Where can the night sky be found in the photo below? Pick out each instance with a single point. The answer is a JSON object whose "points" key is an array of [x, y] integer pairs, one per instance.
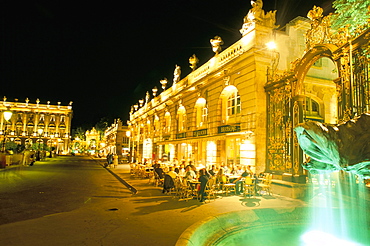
{"points": [[105, 55]]}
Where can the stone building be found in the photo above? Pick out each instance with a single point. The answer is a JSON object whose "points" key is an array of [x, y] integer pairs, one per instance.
{"points": [[116, 140], [241, 106], [30, 123]]}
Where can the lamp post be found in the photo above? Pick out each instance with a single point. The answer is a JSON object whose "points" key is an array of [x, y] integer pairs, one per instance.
{"points": [[7, 116], [128, 134], [275, 57], [41, 147]]}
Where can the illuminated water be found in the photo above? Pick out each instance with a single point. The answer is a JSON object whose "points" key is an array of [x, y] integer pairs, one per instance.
{"points": [[338, 209], [337, 215]]}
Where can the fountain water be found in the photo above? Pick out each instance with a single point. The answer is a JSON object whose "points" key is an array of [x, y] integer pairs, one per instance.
{"points": [[339, 159], [337, 215]]}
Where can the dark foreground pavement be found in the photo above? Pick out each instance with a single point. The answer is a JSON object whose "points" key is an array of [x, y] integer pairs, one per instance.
{"points": [[145, 218]]}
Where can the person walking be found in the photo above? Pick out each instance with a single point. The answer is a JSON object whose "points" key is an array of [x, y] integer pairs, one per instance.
{"points": [[203, 179]]}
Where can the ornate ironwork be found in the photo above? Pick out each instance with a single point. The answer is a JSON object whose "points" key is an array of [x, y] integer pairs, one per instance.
{"points": [[285, 93]]}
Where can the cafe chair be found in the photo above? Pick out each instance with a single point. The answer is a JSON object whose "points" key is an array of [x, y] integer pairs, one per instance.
{"points": [[158, 180], [265, 185], [152, 179], [228, 188], [132, 169], [178, 187], [187, 191], [148, 171], [210, 189], [168, 185], [248, 187]]}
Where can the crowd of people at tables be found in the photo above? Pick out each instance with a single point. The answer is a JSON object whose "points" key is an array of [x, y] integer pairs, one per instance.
{"points": [[190, 173]]}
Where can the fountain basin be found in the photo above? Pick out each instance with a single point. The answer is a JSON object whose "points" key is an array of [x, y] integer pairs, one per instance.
{"points": [[268, 226]]}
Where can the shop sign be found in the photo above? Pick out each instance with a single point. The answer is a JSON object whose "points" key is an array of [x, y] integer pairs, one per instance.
{"points": [[181, 135], [229, 128], [198, 133], [167, 137]]}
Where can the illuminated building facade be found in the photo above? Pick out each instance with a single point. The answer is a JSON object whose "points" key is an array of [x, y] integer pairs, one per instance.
{"points": [[93, 141], [30, 123], [116, 140], [241, 106]]}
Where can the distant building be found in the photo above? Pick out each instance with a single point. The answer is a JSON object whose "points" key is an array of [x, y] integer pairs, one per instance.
{"points": [[30, 123], [93, 141], [116, 140]]}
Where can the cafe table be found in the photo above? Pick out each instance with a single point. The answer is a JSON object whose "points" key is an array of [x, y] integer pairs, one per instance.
{"points": [[194, 184]]}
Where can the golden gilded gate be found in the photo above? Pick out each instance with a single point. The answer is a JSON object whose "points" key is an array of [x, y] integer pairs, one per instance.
{"points": [[294, 97]]}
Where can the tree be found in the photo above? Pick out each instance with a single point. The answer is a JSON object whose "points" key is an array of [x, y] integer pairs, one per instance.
{"points": [[14, 147], [101, 126], [351, 13], [80, 133]]}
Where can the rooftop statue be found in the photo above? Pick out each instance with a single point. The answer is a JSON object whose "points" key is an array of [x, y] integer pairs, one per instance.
{"points": [[257, 15], [193, 62], [344, 146], [176, 74]]}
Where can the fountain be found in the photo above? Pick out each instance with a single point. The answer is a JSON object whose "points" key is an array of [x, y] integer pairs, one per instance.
{"points": [[339, 161], [339, 158]]}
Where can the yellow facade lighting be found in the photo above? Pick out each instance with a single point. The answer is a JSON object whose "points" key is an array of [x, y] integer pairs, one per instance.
{"points": [[7, 115], [271, 45]]}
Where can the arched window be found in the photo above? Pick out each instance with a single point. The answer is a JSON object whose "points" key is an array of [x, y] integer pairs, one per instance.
{"points": [[312, 107], [230, 105], [147, 128], [156, 126], [233, 104], [312, 110], [167, 122], [181, 119], [201, 111]]}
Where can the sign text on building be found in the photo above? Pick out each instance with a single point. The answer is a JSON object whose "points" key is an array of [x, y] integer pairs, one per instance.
{"points": [[229, 128], [181, 135], [198, 133]]}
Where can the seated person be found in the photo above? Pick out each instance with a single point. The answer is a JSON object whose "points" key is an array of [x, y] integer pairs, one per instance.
{"points": [[159, 171], [182, 171], [213, 170], [168, 183], [239, 182], [190, 174], [172, 173], [221, 177], [239, 170]]}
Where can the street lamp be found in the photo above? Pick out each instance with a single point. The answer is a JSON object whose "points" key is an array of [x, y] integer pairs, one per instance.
{"points": [[128, 134], [7, 116], [275, 57], [40, 131], [40, 143]]}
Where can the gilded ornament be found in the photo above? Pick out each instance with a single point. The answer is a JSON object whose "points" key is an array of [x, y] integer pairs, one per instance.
{"points": [[216, 43], [257, 15]]}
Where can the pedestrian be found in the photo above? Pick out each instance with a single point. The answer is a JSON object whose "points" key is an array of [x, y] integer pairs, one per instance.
{"points": [[203, 179], [32, 159], [115, 161], [109, 159]]}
